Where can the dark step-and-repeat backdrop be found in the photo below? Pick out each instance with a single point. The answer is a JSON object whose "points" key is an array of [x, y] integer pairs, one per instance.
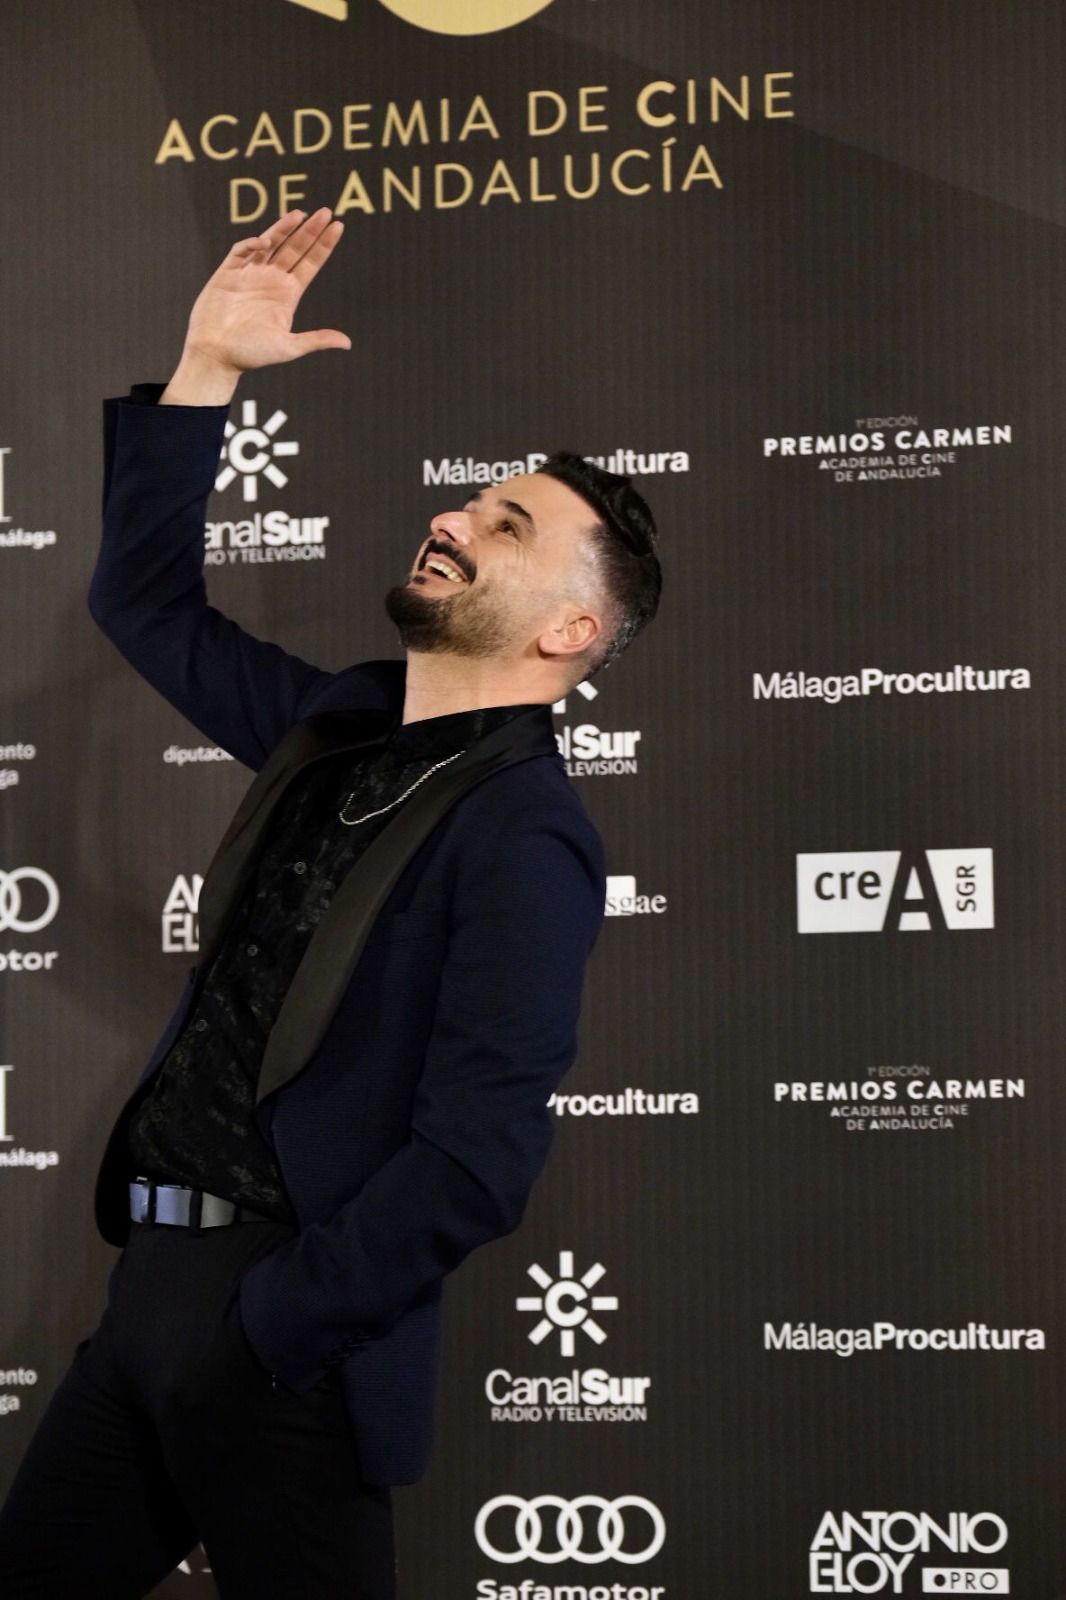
{"points": [[785, 1316]]}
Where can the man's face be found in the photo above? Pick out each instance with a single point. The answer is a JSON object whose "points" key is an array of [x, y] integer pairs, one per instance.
{"points": [[503, 576]]}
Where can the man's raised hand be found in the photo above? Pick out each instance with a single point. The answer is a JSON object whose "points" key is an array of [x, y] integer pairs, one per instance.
{"points": [[242, 318]]}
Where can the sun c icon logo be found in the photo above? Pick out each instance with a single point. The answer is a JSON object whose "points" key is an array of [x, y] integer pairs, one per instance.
{"points": [[465, 16], [570, 1531], [11, 903]]}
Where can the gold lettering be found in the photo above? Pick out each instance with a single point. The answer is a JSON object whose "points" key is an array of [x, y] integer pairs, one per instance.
{"points": [[616, 172], [352, 127], [701, 166], [586, 109], [439, 200], [772, 94], [404, 131], [661, 119], [299, 143], [534, 181], [205, 139], [500, 182], [354, 196], [413, 196], [174, 144], [264, 135], [257, 188], [594, 177], [533, 99], [478, 120], [719, 91]]}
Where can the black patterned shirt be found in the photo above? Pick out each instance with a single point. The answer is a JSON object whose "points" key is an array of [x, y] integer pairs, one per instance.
{"points": [[196, 1124]]}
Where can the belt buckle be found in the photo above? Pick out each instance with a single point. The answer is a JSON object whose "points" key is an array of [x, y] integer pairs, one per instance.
{"points": [[196, 1209], [145, 1197]]}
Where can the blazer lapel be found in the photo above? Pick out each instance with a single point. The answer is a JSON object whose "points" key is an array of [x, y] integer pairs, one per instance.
{"points": [[337, 943], [305, 741]]}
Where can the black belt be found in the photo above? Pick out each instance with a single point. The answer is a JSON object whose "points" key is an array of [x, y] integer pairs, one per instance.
{"points": [[186, 1208]]}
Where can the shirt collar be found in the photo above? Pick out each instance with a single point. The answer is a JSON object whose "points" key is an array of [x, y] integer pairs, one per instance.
{"points": [[451, 731]]}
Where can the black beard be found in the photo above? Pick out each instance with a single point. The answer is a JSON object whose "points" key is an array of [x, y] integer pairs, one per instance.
{"points": [[421, 618], [428, 622]]}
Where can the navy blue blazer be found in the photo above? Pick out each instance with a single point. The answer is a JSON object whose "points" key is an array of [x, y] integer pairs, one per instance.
{"points": [[406, 1081]]}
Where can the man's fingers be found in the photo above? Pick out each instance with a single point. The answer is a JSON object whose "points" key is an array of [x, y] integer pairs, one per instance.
{"points": [[299, 240], [312, 259], [302, 344], [254, 252]]}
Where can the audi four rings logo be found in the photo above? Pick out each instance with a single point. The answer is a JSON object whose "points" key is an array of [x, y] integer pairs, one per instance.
{"points": [[571, 1533], [12, 903]]}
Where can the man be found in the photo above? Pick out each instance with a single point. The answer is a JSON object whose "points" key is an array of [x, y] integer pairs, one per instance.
{"points": [[351, 1094]]}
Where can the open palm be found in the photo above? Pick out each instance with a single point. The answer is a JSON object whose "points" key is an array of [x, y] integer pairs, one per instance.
{"points": [[243, 316]]}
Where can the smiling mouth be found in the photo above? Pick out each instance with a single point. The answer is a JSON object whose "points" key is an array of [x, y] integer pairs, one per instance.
{"points": [[440, 566]]}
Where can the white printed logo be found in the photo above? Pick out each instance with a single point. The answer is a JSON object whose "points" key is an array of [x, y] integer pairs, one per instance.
{"points": [[624, 901], [12, 905], [589, 750], [19, 1157], [181, 924], [251, 450], [867, 1552], [566, 1304], [604, 1540], [871, 891]]}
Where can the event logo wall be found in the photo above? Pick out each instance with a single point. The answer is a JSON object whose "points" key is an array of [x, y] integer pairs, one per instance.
{"points": [[443, 16], [565, 1303], [34, 538], [591, 752], [869, 891], [181, 923], [29, 899], [875, 1552], [12, 1155], [628, 1529], [250, 452], [591, 1395]]}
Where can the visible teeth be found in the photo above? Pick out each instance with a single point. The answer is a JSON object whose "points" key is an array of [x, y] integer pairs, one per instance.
{"points": [[445, 572]]}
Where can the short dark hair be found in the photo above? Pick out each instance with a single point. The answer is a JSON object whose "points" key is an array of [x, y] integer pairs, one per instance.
{"points": [[621, 546]]}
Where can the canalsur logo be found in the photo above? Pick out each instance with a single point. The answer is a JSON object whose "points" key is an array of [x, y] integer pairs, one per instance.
{"points": [[590, 751], [589, 1394], [442, 16], [181, 923], [874, 891], [251, 452]]}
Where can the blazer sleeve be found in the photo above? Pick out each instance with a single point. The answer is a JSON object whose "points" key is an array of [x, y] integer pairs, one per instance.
{"points": [[147, 590], [529, 909]]}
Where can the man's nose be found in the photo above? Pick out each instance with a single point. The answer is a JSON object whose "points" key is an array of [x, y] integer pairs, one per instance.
{"points": [[454, 525]]}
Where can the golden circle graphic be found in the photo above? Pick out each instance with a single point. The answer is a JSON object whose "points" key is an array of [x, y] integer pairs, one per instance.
{"points": [[465, 16]]}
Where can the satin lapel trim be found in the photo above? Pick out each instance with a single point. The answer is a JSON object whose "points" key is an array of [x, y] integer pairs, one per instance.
{"points": [[305, 742], [330, 959]]}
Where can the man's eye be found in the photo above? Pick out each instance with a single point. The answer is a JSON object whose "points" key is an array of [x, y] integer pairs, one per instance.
{"points": [[509, 526]]}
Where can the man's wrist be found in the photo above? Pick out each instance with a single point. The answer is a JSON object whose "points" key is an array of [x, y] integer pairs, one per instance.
{"points": [[200, 381]]}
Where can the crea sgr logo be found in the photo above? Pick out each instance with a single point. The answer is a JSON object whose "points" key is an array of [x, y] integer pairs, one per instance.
{"points": [[442, 16], [877, 891]]}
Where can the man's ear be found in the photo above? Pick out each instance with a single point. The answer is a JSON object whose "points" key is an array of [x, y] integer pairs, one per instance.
{"points": [[572, 635]]}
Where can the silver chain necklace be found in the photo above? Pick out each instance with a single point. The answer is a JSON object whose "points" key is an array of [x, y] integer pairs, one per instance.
{"points": [[350, 822]]}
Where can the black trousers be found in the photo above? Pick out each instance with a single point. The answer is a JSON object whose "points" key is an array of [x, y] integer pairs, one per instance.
{"points": [[165, 1430]]}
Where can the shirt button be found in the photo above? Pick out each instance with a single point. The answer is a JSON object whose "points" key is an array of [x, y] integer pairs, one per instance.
{"points": [[253, 949], [201, 1026], [299, 866]]}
